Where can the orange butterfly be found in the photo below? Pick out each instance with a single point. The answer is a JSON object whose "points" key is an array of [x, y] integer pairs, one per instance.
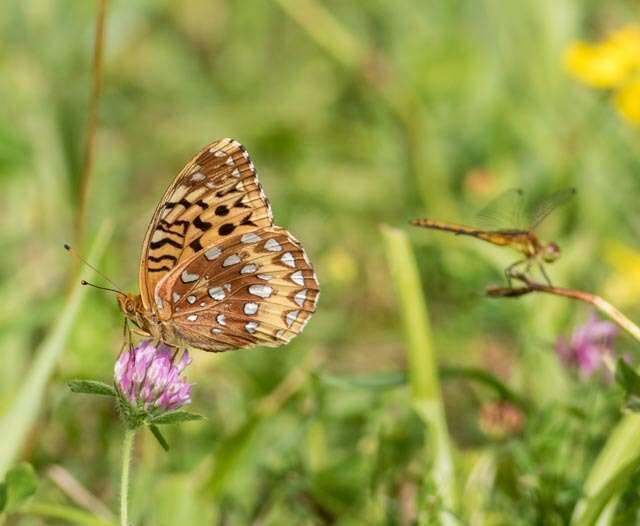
{"points": [[215, 273]]}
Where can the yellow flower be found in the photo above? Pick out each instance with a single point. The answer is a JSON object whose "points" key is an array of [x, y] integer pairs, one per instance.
{"points": [[623, 287], [606, 64], [594, 66], [612, 64], [627, 101]]}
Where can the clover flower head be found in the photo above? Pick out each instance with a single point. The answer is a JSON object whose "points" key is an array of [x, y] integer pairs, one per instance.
{"points": [[588, 345], [501, 419], [149, 377]]}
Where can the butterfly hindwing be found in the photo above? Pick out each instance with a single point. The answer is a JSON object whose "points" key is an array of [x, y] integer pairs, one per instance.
{"points": [[256, 288], [215, 196]]}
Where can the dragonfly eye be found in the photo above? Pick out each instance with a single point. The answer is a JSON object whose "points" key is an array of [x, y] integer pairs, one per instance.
{"points": [[551, 253]]}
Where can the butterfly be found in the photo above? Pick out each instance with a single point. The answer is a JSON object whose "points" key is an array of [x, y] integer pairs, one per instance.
{"points": [[215, 272]]}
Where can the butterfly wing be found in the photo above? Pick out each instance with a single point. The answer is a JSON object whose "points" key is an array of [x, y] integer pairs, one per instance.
{"points": [[216, 195], [257, 288]]}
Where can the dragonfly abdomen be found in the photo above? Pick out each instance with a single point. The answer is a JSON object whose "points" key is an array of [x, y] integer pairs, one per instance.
{"points": [[515, 238], [446, 227]]}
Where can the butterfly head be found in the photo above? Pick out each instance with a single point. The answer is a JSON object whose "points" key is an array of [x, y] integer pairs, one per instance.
{"points": [[130, 305]]}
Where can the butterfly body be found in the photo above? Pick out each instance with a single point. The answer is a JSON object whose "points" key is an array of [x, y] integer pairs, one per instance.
{"points": [[145, 320], [215, 273]]}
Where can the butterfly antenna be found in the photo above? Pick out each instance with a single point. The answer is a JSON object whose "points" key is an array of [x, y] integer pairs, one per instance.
{"points": [[85, 282], [75, 254]]}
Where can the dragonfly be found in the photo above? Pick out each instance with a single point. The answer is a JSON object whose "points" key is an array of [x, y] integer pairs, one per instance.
{"points": [[521, 236]]}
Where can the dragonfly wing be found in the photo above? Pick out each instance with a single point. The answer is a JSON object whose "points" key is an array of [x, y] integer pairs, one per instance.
{"points": [[505, 212], [546, 207]]}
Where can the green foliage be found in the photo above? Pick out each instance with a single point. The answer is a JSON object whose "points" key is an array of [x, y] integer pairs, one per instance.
{"points": [[20, 483], [91, 387], [629, 380], [356, 114], [175, 417], [159, 437]]}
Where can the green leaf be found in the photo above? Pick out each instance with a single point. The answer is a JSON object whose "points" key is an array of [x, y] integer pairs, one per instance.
{"points": [[3, 496], [91, 387], [627, 378], [480, 376], [374, 382], [611, 471], [20, 484], [161, 440], [175, 417]]}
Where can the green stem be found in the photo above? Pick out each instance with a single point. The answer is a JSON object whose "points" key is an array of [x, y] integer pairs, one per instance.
{"points": [[127, 447], [422, 367]]}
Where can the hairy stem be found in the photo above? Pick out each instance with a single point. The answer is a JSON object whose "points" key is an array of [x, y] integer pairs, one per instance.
{"points": [[127, 447]]}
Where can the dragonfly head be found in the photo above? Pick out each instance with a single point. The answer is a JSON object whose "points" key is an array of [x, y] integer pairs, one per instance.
{"points": [[551, 252]]}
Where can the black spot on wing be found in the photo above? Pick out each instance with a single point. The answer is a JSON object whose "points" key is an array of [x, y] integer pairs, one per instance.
{"points": [[195, 245], [247, 221], [201, 225], [226, 229], [240, 204]]}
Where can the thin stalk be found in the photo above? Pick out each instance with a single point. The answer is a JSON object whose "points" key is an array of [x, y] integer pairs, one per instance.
{"points": [[592, 299], [92, 120], [127, 448]]}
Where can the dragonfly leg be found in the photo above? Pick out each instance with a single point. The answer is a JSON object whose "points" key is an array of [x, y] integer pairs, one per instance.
{"points": [[508, 272], [544, 273]]}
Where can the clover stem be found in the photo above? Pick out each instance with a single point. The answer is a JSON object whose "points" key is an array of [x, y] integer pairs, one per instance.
{"points": [[127, 447]]}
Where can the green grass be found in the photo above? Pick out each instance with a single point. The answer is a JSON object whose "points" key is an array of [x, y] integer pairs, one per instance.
{"points": [[356, 114]]}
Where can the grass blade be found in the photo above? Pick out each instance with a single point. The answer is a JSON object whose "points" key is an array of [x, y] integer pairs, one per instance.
{"points": [[611, 472], [67, 514], [23, 411], [423, 378]]}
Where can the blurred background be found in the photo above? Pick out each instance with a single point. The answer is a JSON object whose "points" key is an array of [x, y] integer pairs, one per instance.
{"points": [[356, 115]]}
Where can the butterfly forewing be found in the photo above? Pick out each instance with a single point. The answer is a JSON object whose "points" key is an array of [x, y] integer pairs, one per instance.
{"points": [[256, 288], [216, 195]]}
